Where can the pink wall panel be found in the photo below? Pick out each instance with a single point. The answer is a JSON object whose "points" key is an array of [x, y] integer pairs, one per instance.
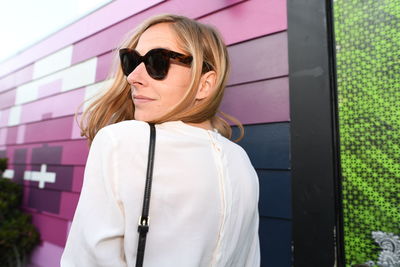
{"points": [[258, 102], [74, 152], [52, 229], [4, 116], [77, 178], [12, 135], [7, 99], [49, 130], [50, 88], [237, 25], [52, 107], [16, 78], [69, 201], [104, 63]]}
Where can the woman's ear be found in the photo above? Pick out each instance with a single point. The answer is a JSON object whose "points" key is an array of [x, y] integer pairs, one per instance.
{"points": [[206, 85]]}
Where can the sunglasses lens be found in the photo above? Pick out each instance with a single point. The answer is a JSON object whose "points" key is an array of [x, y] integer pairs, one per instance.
{"points": [[129, 61], [157, 65]]}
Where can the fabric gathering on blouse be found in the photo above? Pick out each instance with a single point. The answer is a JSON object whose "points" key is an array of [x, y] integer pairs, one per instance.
{"points": [[203, 205]]}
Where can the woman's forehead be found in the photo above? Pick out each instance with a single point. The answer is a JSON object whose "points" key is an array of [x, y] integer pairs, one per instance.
{"points": [[160, 35]]}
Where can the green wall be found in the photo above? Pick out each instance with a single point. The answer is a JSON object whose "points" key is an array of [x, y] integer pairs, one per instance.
{"points": [[367, 40]]}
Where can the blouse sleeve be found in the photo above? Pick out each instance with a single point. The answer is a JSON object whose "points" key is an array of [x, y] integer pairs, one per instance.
{"points": [[97, 230]]}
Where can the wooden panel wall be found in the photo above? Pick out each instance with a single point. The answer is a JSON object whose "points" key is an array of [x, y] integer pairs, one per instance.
{"points": [[41, 88]]}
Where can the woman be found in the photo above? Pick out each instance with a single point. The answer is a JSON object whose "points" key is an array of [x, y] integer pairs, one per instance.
{"points": [[205, 191]]}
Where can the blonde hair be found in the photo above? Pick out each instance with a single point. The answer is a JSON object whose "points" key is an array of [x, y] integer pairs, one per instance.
{"points": [[204, 44]]}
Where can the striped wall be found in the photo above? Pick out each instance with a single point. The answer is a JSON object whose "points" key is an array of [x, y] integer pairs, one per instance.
{"points": [[41, 88]]}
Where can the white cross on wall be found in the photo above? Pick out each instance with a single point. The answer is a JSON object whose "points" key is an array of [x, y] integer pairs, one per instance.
{"points": [[42, 177]]}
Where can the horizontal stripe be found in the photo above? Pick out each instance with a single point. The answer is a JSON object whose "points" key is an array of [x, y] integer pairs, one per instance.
{"points": [[52, 63], [52, 229], [267, 145], [92, 23], [275, 194], [275, 242], [46, 254], [49, 130], [52, 107], [259, 102], [249, 20], [259, 59], [17, 77], [7, 99]]}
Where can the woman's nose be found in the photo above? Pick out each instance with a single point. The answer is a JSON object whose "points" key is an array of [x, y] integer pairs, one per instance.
{"points": [[137, 75]]}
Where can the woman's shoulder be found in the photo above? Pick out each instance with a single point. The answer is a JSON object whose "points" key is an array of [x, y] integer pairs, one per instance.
{"points": [[127, 130]]}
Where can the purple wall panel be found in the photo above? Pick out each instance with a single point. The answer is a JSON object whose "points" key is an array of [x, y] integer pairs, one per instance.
{"points": [[258, 59], [52, 107], [52, 229], [7, 99], [4, 117], [77, 178], [259, 102], [249, 20], [50, 88], [103, 67], [69, 201], [74, 152], [12, 135], [102, 18], [108, 39], [16, 78], [44, 200], [49, 130]]}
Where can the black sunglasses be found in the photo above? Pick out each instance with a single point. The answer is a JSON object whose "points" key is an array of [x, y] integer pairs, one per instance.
{"points": [[156, 61]]}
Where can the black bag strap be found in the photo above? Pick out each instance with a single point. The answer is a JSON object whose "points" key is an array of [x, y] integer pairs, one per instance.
{"points": [[144, 220]]}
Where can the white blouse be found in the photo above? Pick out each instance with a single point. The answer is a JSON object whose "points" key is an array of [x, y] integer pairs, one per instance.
{"points": [[203, 206]]}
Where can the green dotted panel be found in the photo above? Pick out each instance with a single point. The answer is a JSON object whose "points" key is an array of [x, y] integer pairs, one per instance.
{"points": [[367, 35]]}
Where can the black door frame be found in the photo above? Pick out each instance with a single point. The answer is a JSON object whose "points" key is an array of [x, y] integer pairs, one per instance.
{"points": [[315, 159]]}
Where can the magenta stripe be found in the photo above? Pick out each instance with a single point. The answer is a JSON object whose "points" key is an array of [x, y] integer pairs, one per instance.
{"points": [[103, 66], [68, 205], [96, 21], [16, 78], [249, 20], [108, 39], [77, 179], [52, 229], [259, 59], [259, 102], [49, 130], [53, 107], [74, 152], [50, 88], [7, 99], [12, 135]]}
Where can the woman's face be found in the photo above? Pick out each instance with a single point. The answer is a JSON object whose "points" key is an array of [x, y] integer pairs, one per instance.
{"points": [[155, 98]]}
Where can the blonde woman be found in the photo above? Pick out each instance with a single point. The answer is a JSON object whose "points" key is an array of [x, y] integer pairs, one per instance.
{"points": [[204, 195]]}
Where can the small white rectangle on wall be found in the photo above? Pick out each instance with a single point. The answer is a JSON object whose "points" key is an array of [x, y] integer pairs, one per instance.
{"points": [[79, 75], [96, 89], [52, 63], [15, 116]]}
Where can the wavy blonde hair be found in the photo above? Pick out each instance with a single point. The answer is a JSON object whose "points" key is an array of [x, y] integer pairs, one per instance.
{"points": [[201, 41]]}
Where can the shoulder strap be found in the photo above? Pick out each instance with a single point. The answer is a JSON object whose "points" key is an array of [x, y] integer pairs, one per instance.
{"points": [[144, 220]]}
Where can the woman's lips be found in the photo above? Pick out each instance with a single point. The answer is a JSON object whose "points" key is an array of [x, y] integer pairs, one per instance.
{"points": [[142, 99]]}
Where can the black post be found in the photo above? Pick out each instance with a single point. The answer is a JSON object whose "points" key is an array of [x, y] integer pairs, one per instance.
{"points": [[314, 138]]}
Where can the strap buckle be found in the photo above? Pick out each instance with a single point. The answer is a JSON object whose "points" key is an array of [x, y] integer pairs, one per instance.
{"points": [[143, 224]]}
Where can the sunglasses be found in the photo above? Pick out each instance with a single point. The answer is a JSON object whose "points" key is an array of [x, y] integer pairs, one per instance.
{"points": [[156, 61]]}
